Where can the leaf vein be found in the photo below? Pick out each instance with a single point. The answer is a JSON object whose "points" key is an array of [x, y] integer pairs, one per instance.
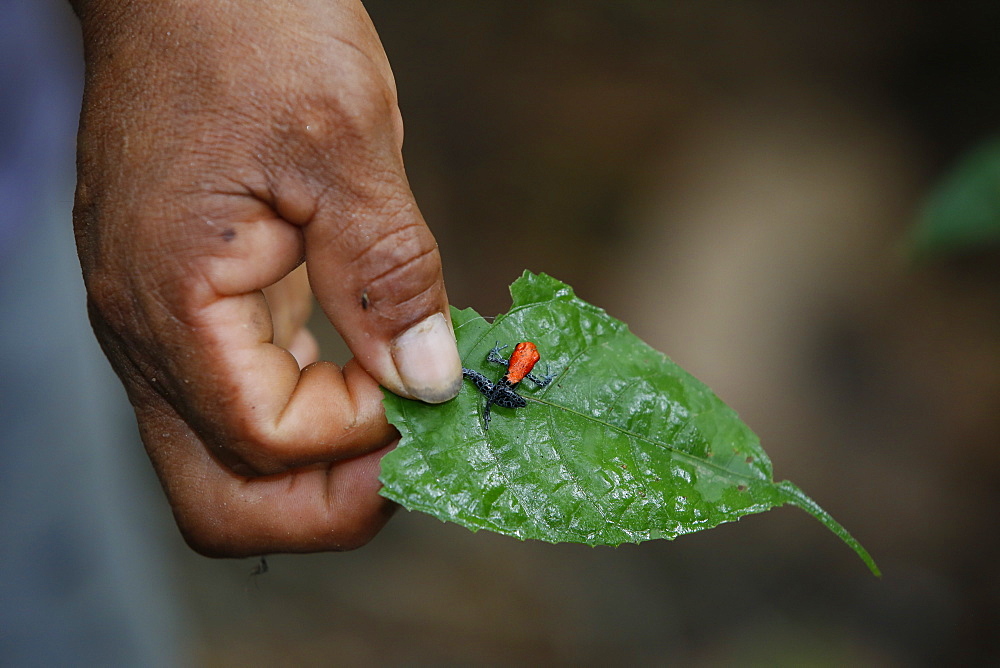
{"points": [[680, 453]]}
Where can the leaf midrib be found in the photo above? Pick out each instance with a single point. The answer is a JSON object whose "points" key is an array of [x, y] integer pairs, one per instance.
{"points": [[680, 453], [705, 464]]}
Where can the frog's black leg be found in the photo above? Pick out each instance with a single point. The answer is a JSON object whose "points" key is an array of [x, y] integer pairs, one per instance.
{"points": [[482, 383], [503, 394], [544, 380], [500, 393], [492, 396], [510, 399], [494, 355]]}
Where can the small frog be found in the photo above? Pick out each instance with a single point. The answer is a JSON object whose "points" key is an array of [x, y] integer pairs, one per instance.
{"points": [[519, 366]]}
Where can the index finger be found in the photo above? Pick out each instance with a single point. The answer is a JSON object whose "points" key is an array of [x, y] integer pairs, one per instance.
{"points": [[244, 394]]}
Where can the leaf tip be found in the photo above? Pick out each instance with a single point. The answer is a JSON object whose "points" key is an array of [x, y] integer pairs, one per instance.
{"points": [[798, 498]]}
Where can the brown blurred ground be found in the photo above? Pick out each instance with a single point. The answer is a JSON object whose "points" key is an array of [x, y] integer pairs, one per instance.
{"points": [[735, 181]]}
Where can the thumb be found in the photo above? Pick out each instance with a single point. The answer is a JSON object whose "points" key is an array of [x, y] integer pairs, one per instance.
{"points": [[376, 271]]}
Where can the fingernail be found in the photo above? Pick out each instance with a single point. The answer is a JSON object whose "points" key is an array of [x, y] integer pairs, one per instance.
{"points": [[427, 360]]}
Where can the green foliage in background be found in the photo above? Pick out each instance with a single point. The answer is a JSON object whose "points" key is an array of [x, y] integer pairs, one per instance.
{"points": [[962, 213], [623, 446]]}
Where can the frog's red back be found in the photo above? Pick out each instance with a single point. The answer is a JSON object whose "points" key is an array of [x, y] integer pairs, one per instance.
{"points": [[522, 361]]}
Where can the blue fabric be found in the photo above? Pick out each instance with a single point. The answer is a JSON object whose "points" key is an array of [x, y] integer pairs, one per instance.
{"points": [[83, 575], [41, 74]]}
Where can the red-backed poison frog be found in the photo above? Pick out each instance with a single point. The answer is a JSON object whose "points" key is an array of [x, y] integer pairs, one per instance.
{"points": [[519, 366]]}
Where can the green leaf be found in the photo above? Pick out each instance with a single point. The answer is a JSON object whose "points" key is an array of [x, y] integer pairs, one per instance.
{"points": [[962, 213], [623, 446]]}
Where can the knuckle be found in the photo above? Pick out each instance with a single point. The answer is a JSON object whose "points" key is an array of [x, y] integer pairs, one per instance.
{"points": [[401, 272], [261, 446], [209, 537], [231, 530], [208, 531], [212, 537], [364, 108], [347, 533], [348, 113], [352, 540], [364, 101], [206, 541], [394, 249]]}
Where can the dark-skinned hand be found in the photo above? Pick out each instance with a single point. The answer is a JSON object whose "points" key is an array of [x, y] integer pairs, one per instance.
{"points": [[221, 145]]}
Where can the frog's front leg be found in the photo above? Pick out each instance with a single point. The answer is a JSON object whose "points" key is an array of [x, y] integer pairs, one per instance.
{"points": [[544, 380], [494, 355]]}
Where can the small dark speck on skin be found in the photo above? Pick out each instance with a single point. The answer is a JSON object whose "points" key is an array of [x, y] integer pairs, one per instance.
{"points": [[365, 302], [228, 234]]}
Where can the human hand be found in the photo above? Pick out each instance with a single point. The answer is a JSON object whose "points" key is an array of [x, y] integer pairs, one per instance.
{"points": [[220, 144]]}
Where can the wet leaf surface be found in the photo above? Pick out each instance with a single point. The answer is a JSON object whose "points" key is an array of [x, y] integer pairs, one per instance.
{"points": [[623, 446]]}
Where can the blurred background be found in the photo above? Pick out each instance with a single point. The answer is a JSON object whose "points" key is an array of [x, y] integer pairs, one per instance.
{"points": [[738, 182]]}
